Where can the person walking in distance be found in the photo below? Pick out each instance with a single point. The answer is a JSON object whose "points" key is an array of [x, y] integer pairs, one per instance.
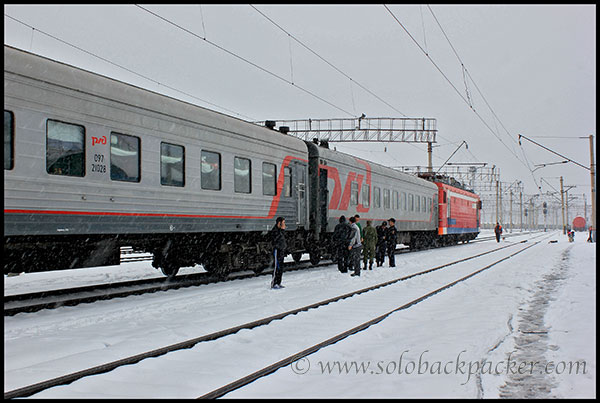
{"points": [[355, 246], [498, 231], [381, 243], [391, 236], [279, 247], [369, 242]]}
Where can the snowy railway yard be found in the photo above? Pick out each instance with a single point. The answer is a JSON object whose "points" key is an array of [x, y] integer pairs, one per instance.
{"points": [[522, 327]]}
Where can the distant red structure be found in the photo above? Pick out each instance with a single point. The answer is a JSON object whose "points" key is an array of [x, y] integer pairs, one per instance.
{"points": [[579, 224]]}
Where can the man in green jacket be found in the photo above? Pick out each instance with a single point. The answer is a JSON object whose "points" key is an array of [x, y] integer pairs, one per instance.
{"points": [[369, 242]]}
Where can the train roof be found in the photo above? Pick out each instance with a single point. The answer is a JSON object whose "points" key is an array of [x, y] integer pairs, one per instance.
{"points": [[351, 161], [43, 69]]}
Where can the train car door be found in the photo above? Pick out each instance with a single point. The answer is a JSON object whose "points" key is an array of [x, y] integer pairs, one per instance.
{"points": [[299, 175]]}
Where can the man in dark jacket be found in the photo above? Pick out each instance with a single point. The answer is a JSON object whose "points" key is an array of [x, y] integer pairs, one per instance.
{"points": [[381, 244], [498, 231], [341, 235], [279, 247], [391, 236]]}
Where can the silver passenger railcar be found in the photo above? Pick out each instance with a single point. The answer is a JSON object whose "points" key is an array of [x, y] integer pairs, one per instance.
{"points": [[91, 164]]}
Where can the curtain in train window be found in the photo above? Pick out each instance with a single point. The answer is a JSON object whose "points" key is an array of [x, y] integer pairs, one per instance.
{"points": [[242, 179], [366, 195], [211, 170], [172, 165], [354, 193], [124, 157], [269, 179], [9, 140], [376, 197], [386, 199], [65, 148], [287, 182]]}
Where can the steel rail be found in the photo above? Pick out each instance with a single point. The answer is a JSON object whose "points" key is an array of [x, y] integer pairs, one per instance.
{"points": [[69, 378]]}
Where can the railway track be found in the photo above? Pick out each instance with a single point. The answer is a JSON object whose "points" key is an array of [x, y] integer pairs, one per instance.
{"points": [[222, 390], [33, 302]]}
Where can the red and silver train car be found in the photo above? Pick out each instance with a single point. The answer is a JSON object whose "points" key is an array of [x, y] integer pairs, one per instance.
{"points": [[92, 164]]}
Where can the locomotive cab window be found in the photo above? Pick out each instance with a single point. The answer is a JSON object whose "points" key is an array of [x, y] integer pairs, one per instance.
{"points": [[9, 140], [172, 165], [269, 178], [124, 157], [242, 179], [211, 171], [65, 148]]}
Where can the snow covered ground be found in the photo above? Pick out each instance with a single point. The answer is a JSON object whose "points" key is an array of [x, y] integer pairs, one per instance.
{"points": [[523, 328]]}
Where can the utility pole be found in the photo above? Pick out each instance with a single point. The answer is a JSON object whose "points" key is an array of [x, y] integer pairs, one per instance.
{"points": [[429, 156], [497, 197], [593, 179], [521, 209], [510, 211], [562, 204]]}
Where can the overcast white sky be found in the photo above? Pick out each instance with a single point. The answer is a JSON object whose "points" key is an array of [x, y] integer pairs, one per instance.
{"points": [[534, 64]]}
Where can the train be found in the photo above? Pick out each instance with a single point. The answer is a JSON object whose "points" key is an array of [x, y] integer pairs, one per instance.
{"points": [[92, 164]]}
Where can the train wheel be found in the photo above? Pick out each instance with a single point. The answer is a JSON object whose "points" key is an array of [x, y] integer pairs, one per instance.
{"points": [[216, 267], [169, 270], [315, 258]]}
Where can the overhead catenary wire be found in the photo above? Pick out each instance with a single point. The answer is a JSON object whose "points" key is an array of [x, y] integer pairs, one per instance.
{"points": [[458, 92], [326, 61], [245, 60], [125, 68]]}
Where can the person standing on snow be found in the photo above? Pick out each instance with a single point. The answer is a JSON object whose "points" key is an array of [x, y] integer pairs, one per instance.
{"points": [[279, 247], [498, 231], [391, 236], [369, 241], [381, 243], [341, 234], [355, 246]]}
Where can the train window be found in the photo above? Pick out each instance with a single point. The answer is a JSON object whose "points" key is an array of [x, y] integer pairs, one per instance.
{"points": [[410, 202], [242, 175], [124, 157], [354, 193], [65, 148], [287, 182], [386, 198], [269, 178], [9, 140], [376, 197], [366, 195], [210, 170], [172, 165], [423, 204], [417, 203], [395, 199], [403, 201]]}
